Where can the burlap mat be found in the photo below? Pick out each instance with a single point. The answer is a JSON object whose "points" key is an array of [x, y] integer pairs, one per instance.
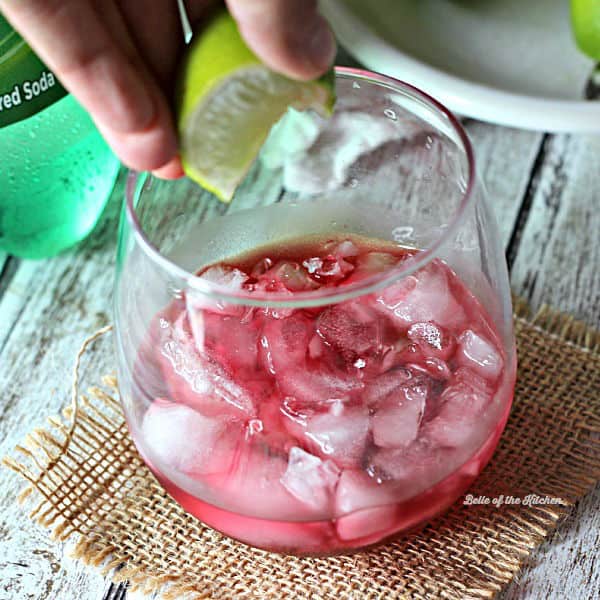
{"points": [[89, 482]]}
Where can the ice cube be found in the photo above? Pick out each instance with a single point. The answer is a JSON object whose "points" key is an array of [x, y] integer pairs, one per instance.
{"points": [[182, 439], [340, 437], [396, 422], [371, 264], [227, 277], [197, 378], [461, 405], [415, 358], [393, 295], [334, 265], [427, 333], [272, 289], [378, 389], [424, 296], [291, 275], [432, 339], [423, 350], [413, 464], [356, 491], [345, 249], [399, 353], [312, 265], [348, 332], [233, 340], [317, 386], [253, 486], [363, 507], [477, 353], [278, 312], [311, 480], [261, 267], [468, 377], [328, 269], [232, 280], [295, 414], [433, 367], [284, 343]]}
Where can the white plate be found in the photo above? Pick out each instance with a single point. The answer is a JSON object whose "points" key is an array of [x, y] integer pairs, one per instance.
{"points": [[511, 62]]}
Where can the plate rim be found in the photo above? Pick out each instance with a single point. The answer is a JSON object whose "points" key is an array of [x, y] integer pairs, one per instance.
{"points": [[463, 96]]}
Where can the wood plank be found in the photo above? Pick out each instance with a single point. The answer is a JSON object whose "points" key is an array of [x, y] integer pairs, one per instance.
{"points": [[504, 158], [557, 263], [33, 566], [559, 253], [48, 309], [18, 280], [567, 564]]}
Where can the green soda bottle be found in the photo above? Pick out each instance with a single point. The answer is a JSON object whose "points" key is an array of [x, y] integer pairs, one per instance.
{"points": [[56, 171]]}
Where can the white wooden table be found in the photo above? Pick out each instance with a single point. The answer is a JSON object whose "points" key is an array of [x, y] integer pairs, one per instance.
{"points": [[546, 193]]}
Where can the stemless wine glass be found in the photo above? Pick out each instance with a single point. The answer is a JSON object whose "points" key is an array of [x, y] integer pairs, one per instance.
{"points": [[328, 360]]}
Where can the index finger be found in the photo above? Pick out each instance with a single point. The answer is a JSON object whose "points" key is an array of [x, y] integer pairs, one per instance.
{"points": [[124, 101], [289, 36]]}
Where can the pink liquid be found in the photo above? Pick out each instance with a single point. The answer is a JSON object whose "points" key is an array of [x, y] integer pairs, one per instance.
{"points": [[318, 430]]}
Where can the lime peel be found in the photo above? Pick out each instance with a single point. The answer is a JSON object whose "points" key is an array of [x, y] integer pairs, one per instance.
{"points": [[228, 100], [585, 17]]}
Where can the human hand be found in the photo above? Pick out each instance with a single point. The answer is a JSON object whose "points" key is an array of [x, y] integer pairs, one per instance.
{"points": [[118, 58]]}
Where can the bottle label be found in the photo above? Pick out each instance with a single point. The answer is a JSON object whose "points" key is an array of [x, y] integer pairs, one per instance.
{"points": [[26, 84]]}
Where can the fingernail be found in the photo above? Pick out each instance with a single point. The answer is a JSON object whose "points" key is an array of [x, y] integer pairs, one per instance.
{"points": [[320, 49], [170, 170]]}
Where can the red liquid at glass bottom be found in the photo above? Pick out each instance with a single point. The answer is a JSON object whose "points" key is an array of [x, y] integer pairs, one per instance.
{"points": [[319, 430]]}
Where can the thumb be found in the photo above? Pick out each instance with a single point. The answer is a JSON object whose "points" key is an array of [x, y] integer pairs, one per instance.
{"points": [[290, 36]]}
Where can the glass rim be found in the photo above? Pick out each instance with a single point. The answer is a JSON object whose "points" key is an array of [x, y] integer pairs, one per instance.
{"points": [[323, 295]]}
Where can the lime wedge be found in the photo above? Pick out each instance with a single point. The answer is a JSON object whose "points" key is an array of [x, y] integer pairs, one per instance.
{"points": [[228, 100], [585, 16]]}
